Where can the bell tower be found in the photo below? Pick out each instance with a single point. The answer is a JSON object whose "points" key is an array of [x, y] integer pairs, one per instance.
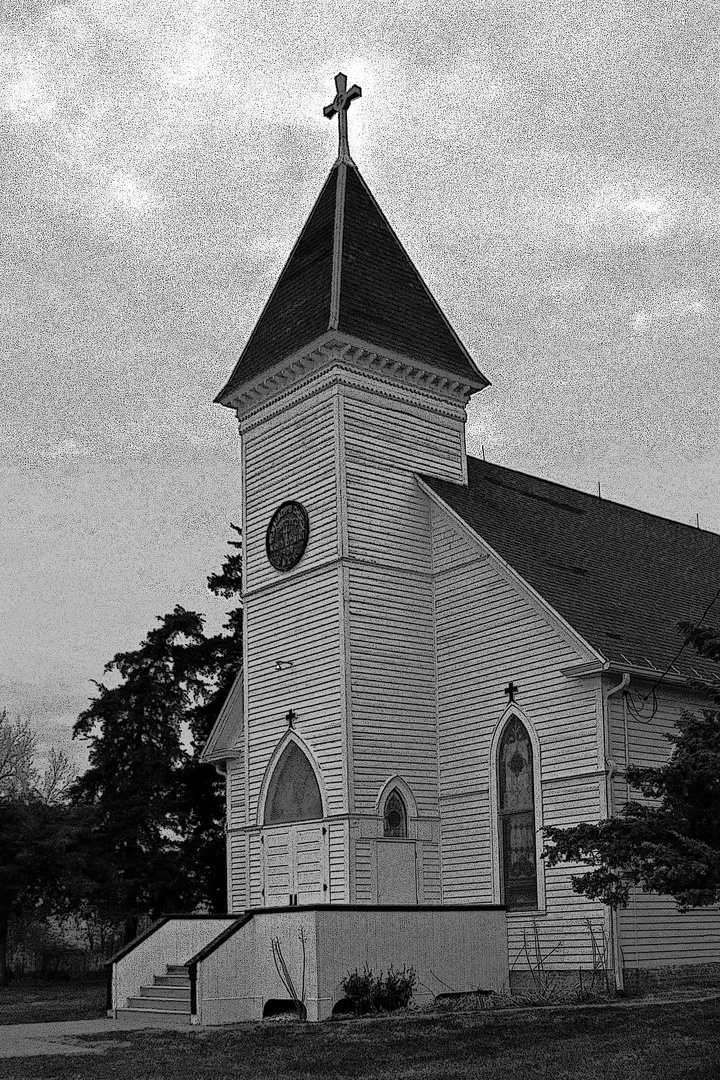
{"points": [[351, 385]]}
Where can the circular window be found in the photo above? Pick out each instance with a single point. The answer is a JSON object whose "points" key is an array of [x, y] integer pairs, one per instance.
{"points": [[287, 535]]}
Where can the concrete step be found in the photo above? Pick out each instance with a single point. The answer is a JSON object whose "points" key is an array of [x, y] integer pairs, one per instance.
{"points": [[155, 1017], [172, 980], [159, 1004], [173, 993], [177, 969]]}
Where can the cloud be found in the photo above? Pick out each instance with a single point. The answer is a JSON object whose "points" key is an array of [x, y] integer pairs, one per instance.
{"points": [[614, 213], [24, 97], [550, 164], [673, 304], [68, 448]]}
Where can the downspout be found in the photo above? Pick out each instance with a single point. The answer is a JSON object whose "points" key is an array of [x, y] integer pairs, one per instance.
{"points": [[609, 774]]}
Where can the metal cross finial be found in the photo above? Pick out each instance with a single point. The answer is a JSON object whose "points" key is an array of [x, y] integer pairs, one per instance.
{"points": [[511, 690], [340, 105]]}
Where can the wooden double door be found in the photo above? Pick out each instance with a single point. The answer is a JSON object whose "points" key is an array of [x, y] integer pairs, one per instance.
{"points": [[295, 864]]}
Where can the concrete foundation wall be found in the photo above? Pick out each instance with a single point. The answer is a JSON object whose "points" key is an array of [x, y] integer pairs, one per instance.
{"points": [[640, 980], [460, 949]]}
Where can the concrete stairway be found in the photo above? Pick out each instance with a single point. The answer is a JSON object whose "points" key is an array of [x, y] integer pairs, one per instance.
{"points": [[167, 1001]]}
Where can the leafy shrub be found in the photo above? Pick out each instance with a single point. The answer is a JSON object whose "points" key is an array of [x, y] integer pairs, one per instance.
{"points": [[369, 992]]}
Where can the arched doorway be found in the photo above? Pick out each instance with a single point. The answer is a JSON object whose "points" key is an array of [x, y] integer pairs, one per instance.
{"points": [[293, 836]]}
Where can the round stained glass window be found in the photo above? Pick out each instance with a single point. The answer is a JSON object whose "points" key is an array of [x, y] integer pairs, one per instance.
{"points": [[287, 535]]}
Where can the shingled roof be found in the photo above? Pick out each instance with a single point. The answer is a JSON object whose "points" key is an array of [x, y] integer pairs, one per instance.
{"points": [[226, 734], [349, 272], [621, 577]]}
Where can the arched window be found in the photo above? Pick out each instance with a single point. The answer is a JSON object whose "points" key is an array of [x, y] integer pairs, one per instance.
{"points": [[516, 808], [293, 794], [395, 817]]}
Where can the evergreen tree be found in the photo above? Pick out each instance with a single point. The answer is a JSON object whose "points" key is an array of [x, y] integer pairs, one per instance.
{"points": [[202, 792], [158, 840], [671, 845]]}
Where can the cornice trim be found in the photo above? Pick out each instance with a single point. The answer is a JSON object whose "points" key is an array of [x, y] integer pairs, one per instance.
{"points": [[354, 354], [334, 373]]}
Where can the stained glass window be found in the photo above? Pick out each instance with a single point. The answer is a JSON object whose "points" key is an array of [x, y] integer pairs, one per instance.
{"points": [[395, 821], [516, 802], [293, 794]]}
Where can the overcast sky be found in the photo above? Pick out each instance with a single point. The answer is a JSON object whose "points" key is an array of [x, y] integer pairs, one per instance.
{"points": [[552, 168]]}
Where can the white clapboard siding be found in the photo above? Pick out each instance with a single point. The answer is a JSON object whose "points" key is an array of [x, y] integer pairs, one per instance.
{"points": [[302, 625], [255, 865], [388, 520], [290, 456], [450, 547], [649, 721], [466, 852], [338, 854], [236, 789], [564, 932], [365, 870], [385, 446], [389, 430], [569, 802], [392, 674], [429, 880], [239, 897], [489, 632], [653, 933]]}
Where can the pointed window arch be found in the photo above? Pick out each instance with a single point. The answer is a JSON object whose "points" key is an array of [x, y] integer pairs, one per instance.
{"points": [[395, 815], [516, 813], [293, 793]]}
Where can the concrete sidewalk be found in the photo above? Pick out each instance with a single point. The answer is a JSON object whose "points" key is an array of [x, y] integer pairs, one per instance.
{"points": [[60, 1037]]}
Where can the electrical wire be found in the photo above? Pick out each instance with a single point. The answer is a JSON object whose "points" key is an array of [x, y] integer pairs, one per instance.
{"points": [[677, 656]]}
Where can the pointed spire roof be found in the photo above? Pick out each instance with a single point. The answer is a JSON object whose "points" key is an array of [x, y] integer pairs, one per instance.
{"points": [[349, 272]]}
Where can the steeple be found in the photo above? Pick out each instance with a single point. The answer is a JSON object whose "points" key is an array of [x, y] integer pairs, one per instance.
{"points": [[348, 273]]}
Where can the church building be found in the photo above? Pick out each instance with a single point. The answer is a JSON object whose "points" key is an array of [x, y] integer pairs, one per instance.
{"points": [[443, 656]]}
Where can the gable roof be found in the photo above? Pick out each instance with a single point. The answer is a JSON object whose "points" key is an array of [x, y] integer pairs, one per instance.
{"points": [[227, 729], [621, 577], [349, 272]]}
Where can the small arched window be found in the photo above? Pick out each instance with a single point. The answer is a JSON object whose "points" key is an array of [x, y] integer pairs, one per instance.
{"points": [[293, 794], [516, 808], [395, 817]]}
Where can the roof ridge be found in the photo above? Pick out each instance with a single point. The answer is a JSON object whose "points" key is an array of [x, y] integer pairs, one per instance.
{"points": [[348, 272], [591, 495], [641, 576], [338, 236]]}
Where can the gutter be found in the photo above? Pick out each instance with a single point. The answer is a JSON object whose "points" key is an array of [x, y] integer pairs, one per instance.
{"points": [[609, 774], [612, 667]]}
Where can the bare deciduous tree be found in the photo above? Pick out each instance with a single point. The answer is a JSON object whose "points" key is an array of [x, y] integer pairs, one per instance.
{"points": [[18, 744], [19, 775]]}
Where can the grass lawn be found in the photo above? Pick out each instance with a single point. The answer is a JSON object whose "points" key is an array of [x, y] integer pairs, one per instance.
{"points": [[640, 1042], [33, 1000]]}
